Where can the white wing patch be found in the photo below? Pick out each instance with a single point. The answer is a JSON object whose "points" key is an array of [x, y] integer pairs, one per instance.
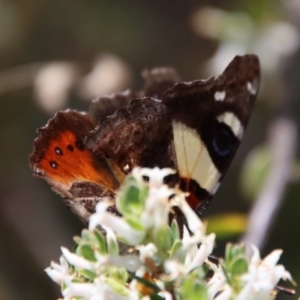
{"points": [[193, 158], [252, 89], [220, 96], [233, 122]]}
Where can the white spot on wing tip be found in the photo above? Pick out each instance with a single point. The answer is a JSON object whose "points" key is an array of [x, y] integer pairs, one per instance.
{"points": [[220, 96], [126, 168], [233, 122], [251, 88]]}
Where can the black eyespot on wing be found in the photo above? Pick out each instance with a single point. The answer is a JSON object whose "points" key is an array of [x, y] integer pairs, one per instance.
{"points": [[58, 151], [223, 143], [70, 148], [53, 164], [220, 142], [79, 144]]}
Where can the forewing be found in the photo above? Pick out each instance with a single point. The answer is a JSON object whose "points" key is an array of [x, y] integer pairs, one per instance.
{"points": [[208, 119]]}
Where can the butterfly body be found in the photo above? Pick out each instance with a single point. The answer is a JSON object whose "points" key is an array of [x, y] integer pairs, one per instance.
{"points": [[194, 127]]}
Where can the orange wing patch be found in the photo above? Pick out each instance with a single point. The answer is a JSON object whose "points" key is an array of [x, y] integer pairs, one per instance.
{"points": [[61, 157], [67, 160]]}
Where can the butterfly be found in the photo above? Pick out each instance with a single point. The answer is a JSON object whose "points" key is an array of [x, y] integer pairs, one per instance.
{"points": [[193, 127]]}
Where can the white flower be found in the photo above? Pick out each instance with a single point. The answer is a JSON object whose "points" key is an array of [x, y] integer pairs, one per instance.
{"points": [[156, 175], [76, 260], [129, 262], [98, 290], [146, 251], [115, 223], [218, 283], [194, 222], [263, 275], [190, 242], [157, 208], [75, 289], [58, 273], [259, 281], [189, 245], [123, 229], [166, 295], [95, 218], [203, 252], [193, 259], [174, 269], [109, 278], [225, 294], [110, 235]]}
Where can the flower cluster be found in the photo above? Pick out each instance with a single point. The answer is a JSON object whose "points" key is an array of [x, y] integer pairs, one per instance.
{"points": [[141, 256]]}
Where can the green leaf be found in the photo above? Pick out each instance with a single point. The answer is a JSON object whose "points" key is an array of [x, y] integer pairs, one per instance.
{"points": [[193, 289], [77, 240], [238, 250], [233, 251], [228, 251], [112, 247], [131, 200], [88, 236], [175, 230], [200, 272], [135, 224], [63, 286], [118, 287], [236, 262], [162, 238], [175, 247], [239, 266], [225, 272], [86, 251], [89, 275], [119, 274], [101, 241]]}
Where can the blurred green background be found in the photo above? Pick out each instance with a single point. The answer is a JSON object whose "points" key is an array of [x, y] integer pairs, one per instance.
{"points": [[60, 54]]}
